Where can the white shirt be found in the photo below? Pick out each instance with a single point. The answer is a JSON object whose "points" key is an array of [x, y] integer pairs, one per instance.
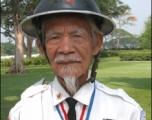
{"points": [[44, 102]]}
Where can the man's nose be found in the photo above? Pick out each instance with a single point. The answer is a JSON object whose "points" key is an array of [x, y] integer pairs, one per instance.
{"points": [[66, 46]]}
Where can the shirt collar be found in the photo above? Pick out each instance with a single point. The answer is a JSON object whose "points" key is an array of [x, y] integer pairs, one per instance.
{"points": [[59, 93], [83, 95]]}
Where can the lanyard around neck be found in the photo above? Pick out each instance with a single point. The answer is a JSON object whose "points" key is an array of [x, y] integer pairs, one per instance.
{"points": [[89, 107]]}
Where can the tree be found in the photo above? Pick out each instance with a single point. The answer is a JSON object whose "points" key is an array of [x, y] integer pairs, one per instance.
{"points": [[118, 10], [28, 46], [123, 20], [8, 48], [2, 50], [128, 40], [35, 50], [17, 66], [146, 35], [26, 8], [13, 11], [112, 8], [29, 6]]}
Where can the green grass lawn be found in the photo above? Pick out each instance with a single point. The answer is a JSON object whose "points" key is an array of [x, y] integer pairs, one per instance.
{"points": [[133, 77]]}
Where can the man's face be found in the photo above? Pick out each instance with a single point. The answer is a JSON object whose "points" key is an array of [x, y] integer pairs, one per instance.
{"points": [[69, 46]]}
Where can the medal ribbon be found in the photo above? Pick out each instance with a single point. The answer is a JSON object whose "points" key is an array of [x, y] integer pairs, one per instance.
{"points": [[83, 109]]}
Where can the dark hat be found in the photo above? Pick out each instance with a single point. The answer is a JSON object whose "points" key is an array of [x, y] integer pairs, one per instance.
{"points": [[50, 7]]}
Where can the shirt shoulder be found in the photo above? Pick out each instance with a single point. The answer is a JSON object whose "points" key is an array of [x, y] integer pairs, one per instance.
{"points": [[120, 93], [116, 93], [34, 89], [31, 91]]}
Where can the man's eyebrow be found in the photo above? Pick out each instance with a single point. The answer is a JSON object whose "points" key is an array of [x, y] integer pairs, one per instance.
{"points": [[79, 31], [51, 32]]}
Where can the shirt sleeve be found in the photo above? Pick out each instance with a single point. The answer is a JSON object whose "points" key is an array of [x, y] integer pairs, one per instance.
{"points": [[15, 112], [142, 115]]}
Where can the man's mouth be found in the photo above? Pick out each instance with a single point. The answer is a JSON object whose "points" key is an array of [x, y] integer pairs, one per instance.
{"points": [[67, 62]]}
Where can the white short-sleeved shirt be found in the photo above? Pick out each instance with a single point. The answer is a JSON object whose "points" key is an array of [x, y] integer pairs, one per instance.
{"points": [[47, 102]]}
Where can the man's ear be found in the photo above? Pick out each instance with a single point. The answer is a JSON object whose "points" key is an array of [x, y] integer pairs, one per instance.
{"points": [[98, 44], [41, 50]]}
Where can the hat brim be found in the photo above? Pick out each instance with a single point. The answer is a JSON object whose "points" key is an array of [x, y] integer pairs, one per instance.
{"points": [[28, 28]]}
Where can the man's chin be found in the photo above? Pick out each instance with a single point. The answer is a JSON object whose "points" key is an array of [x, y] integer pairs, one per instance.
{"points": [[69, 75], [69, 71], [71, 84]]}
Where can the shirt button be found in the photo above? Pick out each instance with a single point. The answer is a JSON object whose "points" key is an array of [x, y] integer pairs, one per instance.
{"points": [[59, 96]]}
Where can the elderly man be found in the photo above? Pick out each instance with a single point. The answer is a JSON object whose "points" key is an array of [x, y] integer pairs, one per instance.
{"points": [[71, 35]]}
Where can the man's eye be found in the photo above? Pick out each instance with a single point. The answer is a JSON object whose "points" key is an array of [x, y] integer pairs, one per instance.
{"points": [[55, 38], [77, 36]]}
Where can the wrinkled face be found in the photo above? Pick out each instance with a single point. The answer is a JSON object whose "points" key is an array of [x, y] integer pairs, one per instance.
{"points": [[69, 46]]}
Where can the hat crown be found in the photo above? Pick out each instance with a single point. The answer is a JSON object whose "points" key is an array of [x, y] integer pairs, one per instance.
{"points": [[55, 5], [50, 7]]}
